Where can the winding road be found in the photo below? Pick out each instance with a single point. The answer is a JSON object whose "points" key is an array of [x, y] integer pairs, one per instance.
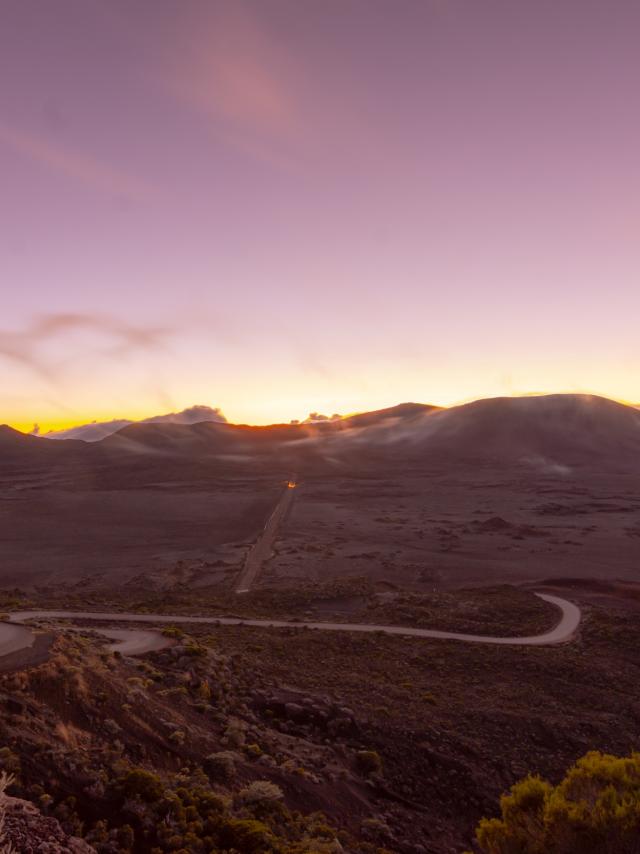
{"points": [[16, 636]]}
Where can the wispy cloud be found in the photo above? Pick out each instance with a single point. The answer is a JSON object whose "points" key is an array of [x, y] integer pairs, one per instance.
{"points": [[25, 347], [237, 75], [73, 164], [236, 71]]}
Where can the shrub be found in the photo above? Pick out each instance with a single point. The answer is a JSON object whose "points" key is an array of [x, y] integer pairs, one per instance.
{"points": [[594, 810], [221, 766], [142, 784], [368, 762], [234, 734], [172, 632], [261, 792], [204, 690], [246, 835], [194, 649], [375, 828], [9, 761], [253, 750]]}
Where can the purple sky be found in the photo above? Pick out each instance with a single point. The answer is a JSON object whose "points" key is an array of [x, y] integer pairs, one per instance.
{"points": [[281, 206]]}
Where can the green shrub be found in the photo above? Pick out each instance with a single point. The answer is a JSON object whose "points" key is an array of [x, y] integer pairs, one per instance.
{"points": [[253, 750], [246, 835], [194, 649], [142, 784], [260, 792], [172, 632], [221, 766], [368, 762], [9, 761], [594, 810]]}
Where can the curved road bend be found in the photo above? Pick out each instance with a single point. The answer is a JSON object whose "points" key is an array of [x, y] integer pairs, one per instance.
{"points": [[136, 642], [262, 549], [15, 637]]}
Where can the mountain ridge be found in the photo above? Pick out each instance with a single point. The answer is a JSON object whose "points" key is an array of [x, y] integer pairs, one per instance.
{"points": [[561, 430]]}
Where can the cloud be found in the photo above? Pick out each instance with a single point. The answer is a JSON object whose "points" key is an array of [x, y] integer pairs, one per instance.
{"points": [[316, 418], [25, 347], [73, 164], [236, 74], [191, 415], [18, 347], [98, 430]]}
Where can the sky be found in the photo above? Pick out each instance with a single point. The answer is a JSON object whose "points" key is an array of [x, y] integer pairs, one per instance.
{"points": [[278, 207]]}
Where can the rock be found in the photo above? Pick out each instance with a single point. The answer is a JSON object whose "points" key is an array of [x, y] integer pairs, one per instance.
{"points": [[15, 707], [29, 832], [341, 726], [344, 712], [294, 712], [112, 727]]}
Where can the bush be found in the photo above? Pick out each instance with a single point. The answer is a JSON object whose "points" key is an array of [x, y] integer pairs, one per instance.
{"points": [[221, 766], [261, 792], [368, 762], [194, 649], [172, 632], [594, 810], [142, 784], [253, 750], [247, 835], [9, 761]]}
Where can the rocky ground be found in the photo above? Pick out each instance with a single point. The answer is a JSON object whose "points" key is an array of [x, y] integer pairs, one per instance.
{"points": [[29, 832]]}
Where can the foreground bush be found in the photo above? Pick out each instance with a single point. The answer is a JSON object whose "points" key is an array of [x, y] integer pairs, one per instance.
{"points": [[594, 810]]}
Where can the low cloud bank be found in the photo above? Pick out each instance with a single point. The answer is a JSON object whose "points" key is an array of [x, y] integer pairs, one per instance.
{"points": [[317, 418], [98, 430]]}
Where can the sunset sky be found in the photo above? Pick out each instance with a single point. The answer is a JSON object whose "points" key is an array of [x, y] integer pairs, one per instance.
{"points": [[280, 206]]}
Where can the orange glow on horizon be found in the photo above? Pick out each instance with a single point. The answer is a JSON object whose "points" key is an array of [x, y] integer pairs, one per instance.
{"points": [[25, 425]]}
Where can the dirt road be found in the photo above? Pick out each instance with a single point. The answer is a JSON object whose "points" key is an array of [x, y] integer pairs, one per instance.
{"points": [[262, 549]]}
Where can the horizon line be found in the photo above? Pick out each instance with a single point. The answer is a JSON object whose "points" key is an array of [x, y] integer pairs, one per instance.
{"points": [[20, 427]]}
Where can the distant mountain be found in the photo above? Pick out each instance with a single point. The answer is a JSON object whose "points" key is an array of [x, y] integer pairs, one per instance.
{"points": [[400, 413], [10, 438], [19, 450], [553, 431], [243, 439], [98, 430], [552, 434], [93, 432]]}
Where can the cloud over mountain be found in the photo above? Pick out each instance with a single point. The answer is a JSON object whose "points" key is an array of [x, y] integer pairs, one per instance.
{"points": [[98, 430]]}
